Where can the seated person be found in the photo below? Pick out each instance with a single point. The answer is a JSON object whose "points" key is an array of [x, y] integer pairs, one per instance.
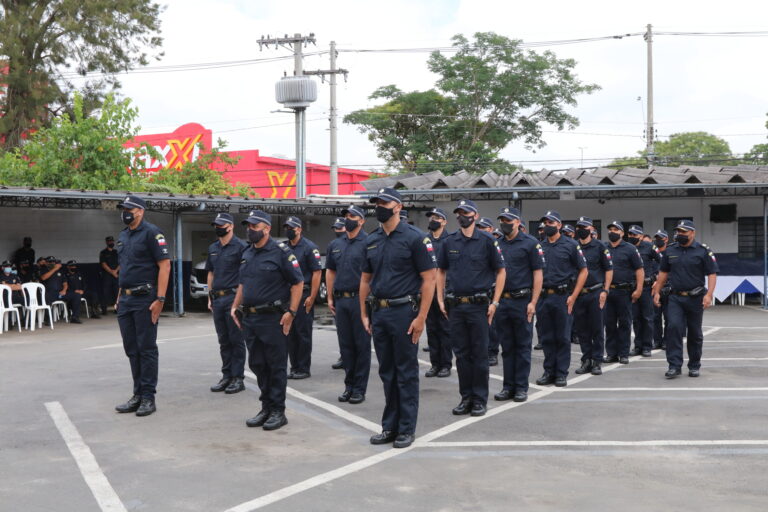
{"points": [[10, 278], [56, 287], [76, 290]]}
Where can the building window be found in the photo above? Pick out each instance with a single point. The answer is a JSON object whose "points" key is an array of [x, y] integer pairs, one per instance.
{"points": [[750, 238], [670, 223]]}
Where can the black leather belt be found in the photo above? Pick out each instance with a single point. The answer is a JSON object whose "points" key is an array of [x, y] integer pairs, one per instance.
{"points": [[338, 295], [696, 292], [223, 293], [138, 291], [648, 281], [591, 289], [623, 286], [516, 294], [478, 298], [260, 309], [377, 303], [559, 290]]}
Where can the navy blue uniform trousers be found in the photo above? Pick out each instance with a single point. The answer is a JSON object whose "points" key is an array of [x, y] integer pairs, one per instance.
{"points": [[516, 334], [589, 325], [398, 367], [555, 333], [685, 312], [140, 342], [109, 291], [469, 339], [438, 338], [642, 320], [300, 338], [354, 344], [231, 342], [618, 323], [267, 357], [494, 341]]}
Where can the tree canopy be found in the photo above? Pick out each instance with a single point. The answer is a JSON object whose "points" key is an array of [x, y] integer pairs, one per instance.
{"points": [[686, 148], [758, 155]]}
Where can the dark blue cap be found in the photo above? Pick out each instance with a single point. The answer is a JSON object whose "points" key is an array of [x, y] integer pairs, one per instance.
{"points": [[485, 222], [466, 205], [133, 202], [222, 218], [110, 238], [617, 224], [685, 225], [354, 210], [551, 215], [71, 263], [437, 211], [542, 225], [386, 194], [338, 223], [403, 215], [256, 216], [509, 214], [568, 229], [661, 234], [498, 233], [635, 229], [293, 222], [584, 221]]}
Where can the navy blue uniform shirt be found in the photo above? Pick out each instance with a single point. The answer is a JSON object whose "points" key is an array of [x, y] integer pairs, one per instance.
{"points": [[308, 254], [345, 256], [564, 260], [108, 256], [688, 266], [522, 255], [598, 259], [138, 251], [224, 262], [626, 260], [10, 279], [437, 245], [267, 274], [471, 262], [55, 283], [397, 260], [650, 255], [75, 281]]}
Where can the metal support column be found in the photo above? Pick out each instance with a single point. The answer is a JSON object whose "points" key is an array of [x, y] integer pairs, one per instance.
{"points": [[765, 252], [179, 268]]}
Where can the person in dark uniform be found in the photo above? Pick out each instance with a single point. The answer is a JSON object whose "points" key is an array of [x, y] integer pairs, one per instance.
{"points": [[540, 237], [438, 336], [8, 278], [300, 337], [57, 288], [223, 267], [399, 274], [144, 269], [660, 319], [472, 260], [24, 259], [76, 291], [588, 312], [344, 265], [524, 262], [626, 288], [564, 260], [339, 231], [109, 272], [685, 264], [268, 297], [642, 308], [569, 231], [338, 227], [486, 224]]}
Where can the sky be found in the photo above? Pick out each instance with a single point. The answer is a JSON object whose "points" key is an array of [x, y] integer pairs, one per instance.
{"points": [[713, 84]]}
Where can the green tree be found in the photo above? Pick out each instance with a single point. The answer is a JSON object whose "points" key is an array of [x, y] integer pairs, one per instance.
{"points": [[489, 93], [46, 44], [686, 148], [758, 155]]}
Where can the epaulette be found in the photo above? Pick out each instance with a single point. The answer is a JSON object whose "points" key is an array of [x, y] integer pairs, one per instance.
{"points": [[284, 247]]}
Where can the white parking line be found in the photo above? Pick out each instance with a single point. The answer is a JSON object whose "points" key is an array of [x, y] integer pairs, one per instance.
{"points": [[105, 495], [707, 359], [660, 442], [711, 330], [115, 345], [667, 388]]}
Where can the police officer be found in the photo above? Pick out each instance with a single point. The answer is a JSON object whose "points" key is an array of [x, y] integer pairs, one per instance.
{"points": [[338, 231], [8, 278], [269, 291], [57, 288], [486, 224], [540, 236], [564, 260], [24, 259], [626, 288], [109, 272], [588, 312], [223, 267], [145, 265], [399, 272], [524, 261], [344, 265], [300, 337], [438, 337], [76, 292], [642, 308], [569, 231], [685, 263], [660, 319], [472, 259]]}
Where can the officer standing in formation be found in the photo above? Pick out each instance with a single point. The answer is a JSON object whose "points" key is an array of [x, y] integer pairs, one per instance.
{"points": [[110, 269], [589, 323], [524, 261], [344, 265], [399, 270], [642, 309], [626, 288], [223, 267], [686, 263], [438, 337], [338, 232], [472, 260], [486, 224], [300, 337], [660, 320], [269, 291], [564, 260], [145, 266]]}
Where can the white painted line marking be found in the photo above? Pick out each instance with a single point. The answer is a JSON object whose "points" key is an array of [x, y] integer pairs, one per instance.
{"points": [[706, 359], [115, 345], [734, 341], [338, 411], [95, 479], [711, 330], [490, 374], [670, 442], [667, 388]]}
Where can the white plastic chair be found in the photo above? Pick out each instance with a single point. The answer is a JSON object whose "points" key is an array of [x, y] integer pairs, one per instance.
{"points": [[87, 311], [35, 306], [6, 297], [60, 309]]}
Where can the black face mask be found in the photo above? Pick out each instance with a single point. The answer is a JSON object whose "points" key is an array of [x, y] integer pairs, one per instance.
{"points": [[550, 231], [255, 236], [340, 234], [384, 214], [507, 229], [583, 233], [350, 224], [27, 244], [221, 232], [658, 243], [465, 221], [434, 225], [682, 239], [111, 245], [72, 270], [127, 217], [290, 234], [634, 240], [614, 237]]}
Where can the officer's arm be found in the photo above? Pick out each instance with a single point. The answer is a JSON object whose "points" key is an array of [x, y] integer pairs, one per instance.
{"points": [[501, 277], [47, 275], [639, 278], [661, 280], [580, 280], [608, 280], [65, 288], [209, 281], [316, 277], [106, 267], [428, 278], [364, 292], [162, 276], [238, 298], [538, 283], [440, 282], [711, 282], [330, 278], [296, 291]]}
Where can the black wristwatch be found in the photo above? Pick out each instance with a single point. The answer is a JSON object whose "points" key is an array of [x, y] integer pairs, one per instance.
{"points": [[161, 299], [604, 291], [292, 312]]}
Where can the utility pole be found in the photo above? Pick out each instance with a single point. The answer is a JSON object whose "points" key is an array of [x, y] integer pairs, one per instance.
{"points": [[582, 148], [649, 137], [332, 73]]}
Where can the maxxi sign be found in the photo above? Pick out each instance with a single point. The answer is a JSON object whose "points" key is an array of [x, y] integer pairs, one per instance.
{"points": [[175, 148]]}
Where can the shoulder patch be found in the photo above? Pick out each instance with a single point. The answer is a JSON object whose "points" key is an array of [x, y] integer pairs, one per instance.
{"points": [[428, 243], [284, 247], [242, 261], [316, 253]]}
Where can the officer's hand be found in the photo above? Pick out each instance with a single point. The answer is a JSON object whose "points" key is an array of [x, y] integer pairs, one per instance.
{"points": [[636, 295], [210, 306], [415, 329], [367, 324], [308, 304], [491, 312], [156, 307], [331, 306], [570, 301], [442, 308], [657, 300], [233, 313], [706, 301], [531, 310], [286, 322], [602, 299]]}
